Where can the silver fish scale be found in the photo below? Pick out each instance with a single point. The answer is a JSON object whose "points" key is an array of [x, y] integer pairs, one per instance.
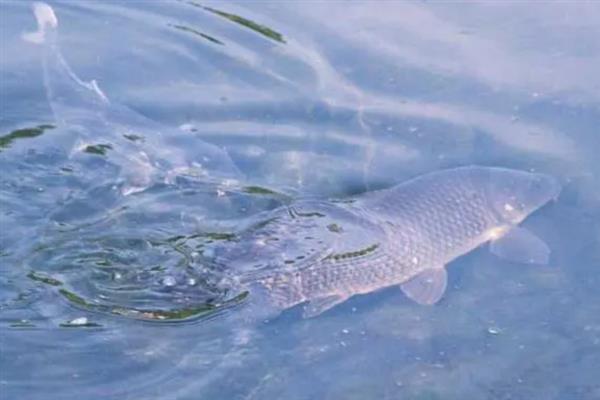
{"points": [[435, 218], [427, 222]]}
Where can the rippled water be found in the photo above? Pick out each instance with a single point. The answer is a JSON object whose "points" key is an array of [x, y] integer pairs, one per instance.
{"points": [[103, 289]]}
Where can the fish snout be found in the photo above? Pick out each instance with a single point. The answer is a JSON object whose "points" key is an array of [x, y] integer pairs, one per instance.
{"points": [[516, 194]]}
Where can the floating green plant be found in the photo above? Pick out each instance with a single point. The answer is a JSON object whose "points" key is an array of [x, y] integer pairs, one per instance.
{"points": [[24, 133], [219, 236], [261, 29], [259, 190], [98, 149], [133, 137], [334, 228], [173, 315], [73, 298], [197, 33], [36, 276]]}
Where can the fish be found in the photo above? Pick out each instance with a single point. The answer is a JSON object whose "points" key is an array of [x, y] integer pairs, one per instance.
{"points": [[322, 252], [314, 252], [130, 140]]}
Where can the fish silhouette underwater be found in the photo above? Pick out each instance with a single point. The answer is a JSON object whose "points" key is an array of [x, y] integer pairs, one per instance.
{"points": [[323, 252]]}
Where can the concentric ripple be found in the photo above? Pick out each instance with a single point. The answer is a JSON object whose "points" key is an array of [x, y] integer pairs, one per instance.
{"points": [[141, 277]]}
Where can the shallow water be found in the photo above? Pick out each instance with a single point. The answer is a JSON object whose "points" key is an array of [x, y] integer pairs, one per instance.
{"points": [[102, 295]]}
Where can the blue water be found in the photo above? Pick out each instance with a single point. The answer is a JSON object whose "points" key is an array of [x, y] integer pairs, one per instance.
{"points": [[100, 294]]}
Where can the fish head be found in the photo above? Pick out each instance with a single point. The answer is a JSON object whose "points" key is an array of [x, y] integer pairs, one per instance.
{"points": [[513, 194]]}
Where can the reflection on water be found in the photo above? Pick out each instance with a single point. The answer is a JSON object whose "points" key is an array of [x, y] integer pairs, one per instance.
{"points": [[107, 211]]}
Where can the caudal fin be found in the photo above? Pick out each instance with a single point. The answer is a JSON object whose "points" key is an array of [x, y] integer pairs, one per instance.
{"points": [[71, 98], [47, 24], [82, 107]]}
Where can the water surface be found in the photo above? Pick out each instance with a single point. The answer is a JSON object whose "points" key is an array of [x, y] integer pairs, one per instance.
{"points": [[104, 296]]}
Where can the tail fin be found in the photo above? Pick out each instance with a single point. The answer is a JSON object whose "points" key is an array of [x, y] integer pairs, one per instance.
{"points": [[71, 98], [84, 108], [47, 24]]}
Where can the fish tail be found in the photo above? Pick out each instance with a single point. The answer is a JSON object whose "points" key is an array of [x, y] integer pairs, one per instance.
{"points": [[67, 94], [83, 108], [47, 24]]}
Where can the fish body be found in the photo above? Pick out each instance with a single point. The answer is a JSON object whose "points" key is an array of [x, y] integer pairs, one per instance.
{"points": [[324, 252], [316, 251]]}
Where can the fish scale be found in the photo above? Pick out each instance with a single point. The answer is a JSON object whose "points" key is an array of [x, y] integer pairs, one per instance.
{"points": [[403, 235]]}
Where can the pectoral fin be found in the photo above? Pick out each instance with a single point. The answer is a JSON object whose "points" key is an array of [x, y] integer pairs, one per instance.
{"points": [[520, 245], [318, 306], [428, 287]]}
